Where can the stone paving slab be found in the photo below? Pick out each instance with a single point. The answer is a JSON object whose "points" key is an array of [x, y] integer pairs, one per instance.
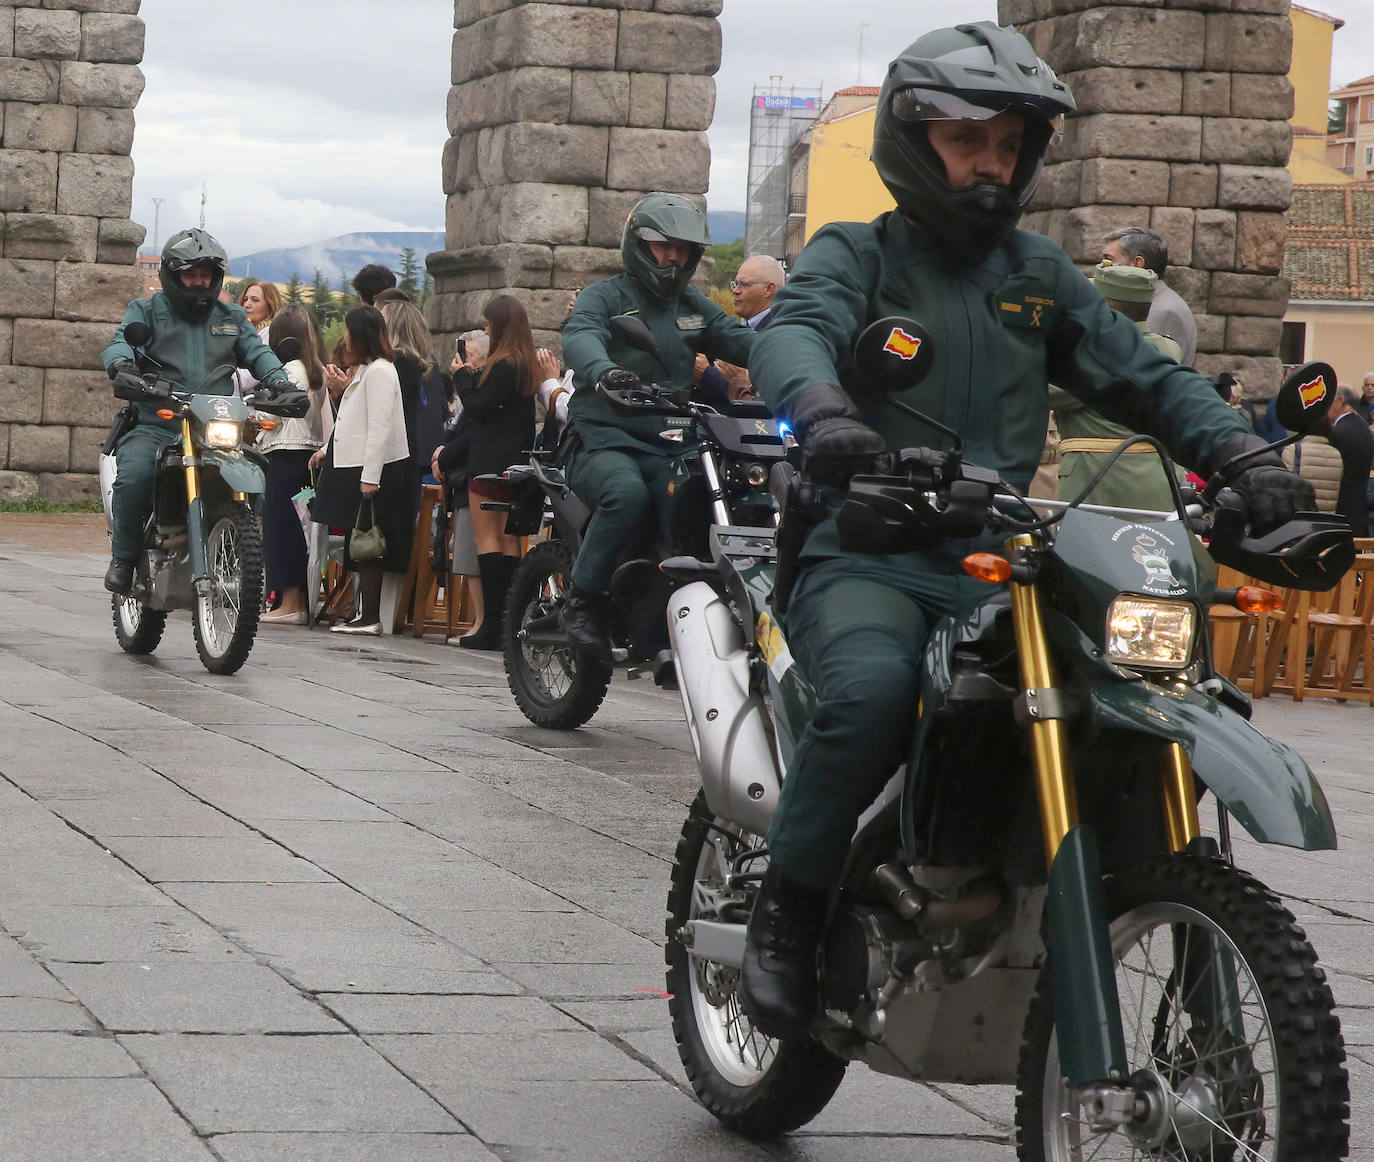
{"points": [[348, 904]]}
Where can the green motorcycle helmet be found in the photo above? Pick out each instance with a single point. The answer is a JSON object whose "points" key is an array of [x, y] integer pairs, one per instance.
{"points": [[971, 72], [661, 218], [190, 248]]}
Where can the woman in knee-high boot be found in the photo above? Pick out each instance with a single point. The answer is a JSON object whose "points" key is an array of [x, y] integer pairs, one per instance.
{"points": [[500, 411]]}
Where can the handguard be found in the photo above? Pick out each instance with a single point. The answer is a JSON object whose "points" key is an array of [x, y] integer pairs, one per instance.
{"points": [[939, 498], [1312, 551]]}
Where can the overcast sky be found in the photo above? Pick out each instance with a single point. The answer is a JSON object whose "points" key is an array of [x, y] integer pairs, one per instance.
{"points": [[305, 119]]}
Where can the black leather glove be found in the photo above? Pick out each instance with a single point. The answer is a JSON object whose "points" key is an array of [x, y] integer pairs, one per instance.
{"points": [[128, 384], [1273, 494], [115, 370], [618, 379], [835, 443]]}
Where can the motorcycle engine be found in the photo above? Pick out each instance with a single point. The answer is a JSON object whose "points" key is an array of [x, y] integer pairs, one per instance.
{"points": [[863, 946]]}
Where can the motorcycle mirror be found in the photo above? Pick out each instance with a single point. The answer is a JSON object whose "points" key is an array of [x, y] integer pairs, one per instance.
{"points": [[137, 334], [1305, 397], [894, 353], [287, 349], [633, 333]]}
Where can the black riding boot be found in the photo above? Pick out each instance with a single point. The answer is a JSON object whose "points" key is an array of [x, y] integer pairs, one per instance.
{"points": [[119, 577], [496, 570], [779, 982], [580, 621]]}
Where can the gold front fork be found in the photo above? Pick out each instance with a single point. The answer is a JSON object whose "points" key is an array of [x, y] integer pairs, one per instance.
{"points": [[1049, 738], [1178, 797], [188, 457]]}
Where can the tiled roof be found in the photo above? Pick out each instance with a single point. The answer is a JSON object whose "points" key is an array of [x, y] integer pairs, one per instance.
{"points": [[1355, 86], [857, 91], [1330, 248]]}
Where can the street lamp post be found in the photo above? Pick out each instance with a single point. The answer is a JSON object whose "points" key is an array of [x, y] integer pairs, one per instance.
{"points": [[157, 211]]}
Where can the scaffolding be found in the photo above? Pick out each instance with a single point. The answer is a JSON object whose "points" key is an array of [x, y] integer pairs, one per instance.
{"points": [[778, 115]]}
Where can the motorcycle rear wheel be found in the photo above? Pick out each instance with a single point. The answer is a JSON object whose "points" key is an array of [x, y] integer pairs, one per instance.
{"points": [[138, 629], [226, 618], [556, 688], [1267, 1082], [757, 1085]]}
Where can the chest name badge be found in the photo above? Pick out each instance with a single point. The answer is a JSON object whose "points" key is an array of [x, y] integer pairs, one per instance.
{"points": [[690, 322], [224, 329], [1033, 311]]}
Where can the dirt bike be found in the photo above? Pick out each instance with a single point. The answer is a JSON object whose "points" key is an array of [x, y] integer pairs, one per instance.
{"points": [[202, 547], [1032, 899], [554, 684]]}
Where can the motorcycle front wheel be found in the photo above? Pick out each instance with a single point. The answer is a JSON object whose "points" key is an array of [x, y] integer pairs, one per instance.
{"points": [[1233, 1047], [556, 687], [138, 629], [226, 617], [757, 1085]]}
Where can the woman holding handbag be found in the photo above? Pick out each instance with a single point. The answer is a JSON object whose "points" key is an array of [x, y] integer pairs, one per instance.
{"points": [[498, 422], [365, 477]]}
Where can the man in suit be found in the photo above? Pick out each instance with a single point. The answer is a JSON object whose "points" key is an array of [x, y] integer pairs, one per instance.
{"points": [[755, 283], [1169, 314], [1351, 437]]}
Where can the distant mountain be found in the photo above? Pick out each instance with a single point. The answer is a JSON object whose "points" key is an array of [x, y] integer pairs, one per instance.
{"points": [[345, 255], [726, 225], [349, 253]]}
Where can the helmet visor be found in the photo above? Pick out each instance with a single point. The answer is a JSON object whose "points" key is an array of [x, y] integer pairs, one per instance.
{"points": [[917, 104]]}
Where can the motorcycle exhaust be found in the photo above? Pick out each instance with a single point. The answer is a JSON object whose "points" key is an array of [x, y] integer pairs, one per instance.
{"points": [[917, 905], [724, 716]]}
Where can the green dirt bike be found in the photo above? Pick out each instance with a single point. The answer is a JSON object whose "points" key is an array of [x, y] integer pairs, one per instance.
{"points": [[202, 546], [1032, 899]]}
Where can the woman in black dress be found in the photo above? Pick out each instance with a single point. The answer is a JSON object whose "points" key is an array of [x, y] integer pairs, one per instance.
{"points": [[499, 407], [368, 459]]}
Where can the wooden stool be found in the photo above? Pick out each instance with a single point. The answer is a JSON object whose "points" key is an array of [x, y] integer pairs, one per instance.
{"points": [[430, 602]]}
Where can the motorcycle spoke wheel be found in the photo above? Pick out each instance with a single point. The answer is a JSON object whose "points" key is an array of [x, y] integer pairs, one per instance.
{"points": [[138, 629], [1232, 1044], [755, 1084], [559, 688], [226, 617]]}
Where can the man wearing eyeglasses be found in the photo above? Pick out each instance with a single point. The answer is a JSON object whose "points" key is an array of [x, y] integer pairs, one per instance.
{"points": [[754, 287]]}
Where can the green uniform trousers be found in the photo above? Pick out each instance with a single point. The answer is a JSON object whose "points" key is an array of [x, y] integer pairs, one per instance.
{"points": [[135, 485], [859, 641], [625, 488]]}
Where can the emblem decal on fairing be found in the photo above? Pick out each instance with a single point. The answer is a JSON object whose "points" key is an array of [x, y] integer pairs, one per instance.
{"points": [[902, 343]]}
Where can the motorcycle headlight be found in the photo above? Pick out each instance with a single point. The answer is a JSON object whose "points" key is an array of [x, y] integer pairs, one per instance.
{"points": [[223, 434], [1144, 632]]}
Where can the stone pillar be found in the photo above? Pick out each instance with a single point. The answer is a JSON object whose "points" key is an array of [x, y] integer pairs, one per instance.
{"points": [[1182, 125], [69, 80], [562, 115]]}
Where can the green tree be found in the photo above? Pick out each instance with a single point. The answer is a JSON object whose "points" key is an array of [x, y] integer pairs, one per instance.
{"points": [[332, 334], [233, 287], [294, 290], [321, 299], [1335, 118], [727, 257], [426, 289], [347, 298], [409, 280]]}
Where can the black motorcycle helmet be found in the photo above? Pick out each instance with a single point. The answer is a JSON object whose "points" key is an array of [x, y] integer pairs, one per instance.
{"points": [[190, 248], [660, 218], [972, 72]]}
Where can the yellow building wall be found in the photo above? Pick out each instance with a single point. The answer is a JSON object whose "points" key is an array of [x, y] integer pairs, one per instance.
{"points": [[842, 185], [1310, 75], [1338, 335]]}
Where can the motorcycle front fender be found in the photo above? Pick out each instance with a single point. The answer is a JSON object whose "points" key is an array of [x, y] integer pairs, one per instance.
{"points": [[238, 472], [1262, 782]]}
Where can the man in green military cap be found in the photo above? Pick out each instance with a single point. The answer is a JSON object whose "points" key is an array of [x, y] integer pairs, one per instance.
{"points": [[1087, 437], [625, 464], [963, 121], [197, 341]]}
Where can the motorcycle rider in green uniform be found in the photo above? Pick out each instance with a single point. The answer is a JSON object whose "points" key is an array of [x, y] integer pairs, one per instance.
{"points": [[624, 465], [197, 341], [963, 121], [1087, 438]]}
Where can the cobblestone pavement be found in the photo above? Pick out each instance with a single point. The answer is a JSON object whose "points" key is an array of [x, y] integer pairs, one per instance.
{"points": [[349, 905]]}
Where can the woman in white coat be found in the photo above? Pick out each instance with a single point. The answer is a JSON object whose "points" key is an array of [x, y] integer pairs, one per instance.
{"points": [[366, 462]]}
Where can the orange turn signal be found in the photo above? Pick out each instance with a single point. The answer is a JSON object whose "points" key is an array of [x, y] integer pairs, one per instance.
{"points": [[1253, 599], [267, 425], [987, 567], [166, 414]]}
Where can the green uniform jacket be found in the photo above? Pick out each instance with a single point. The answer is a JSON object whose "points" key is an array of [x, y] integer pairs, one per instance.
{"points": [[682, 327], [1000, 332], [201, 355], [1137, 479]]}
